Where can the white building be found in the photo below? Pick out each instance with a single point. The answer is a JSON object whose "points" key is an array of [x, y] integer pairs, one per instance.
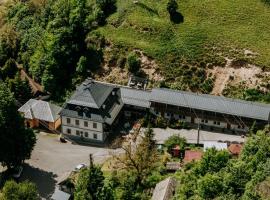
{"points": [[91, 111]]}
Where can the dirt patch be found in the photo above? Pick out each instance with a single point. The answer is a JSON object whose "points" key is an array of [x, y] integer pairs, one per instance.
{"points": [[150, 67], [250, 75]]}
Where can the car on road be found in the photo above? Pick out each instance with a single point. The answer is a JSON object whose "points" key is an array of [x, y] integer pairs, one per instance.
{"points": [[17, 172], [79, 167]]}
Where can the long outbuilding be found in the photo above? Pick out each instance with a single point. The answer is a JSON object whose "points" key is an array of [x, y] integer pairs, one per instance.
{"points": [[95, 107]]}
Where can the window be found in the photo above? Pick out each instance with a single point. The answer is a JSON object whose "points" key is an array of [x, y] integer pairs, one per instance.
{"points": [[215, 122], [85, 124], [206, 121], [94, 125], [202, 121], [68, 120], [68, 131], [184, 117], [77, 132], [77, 122], [218, 123], [95, 136], [85, 134]]}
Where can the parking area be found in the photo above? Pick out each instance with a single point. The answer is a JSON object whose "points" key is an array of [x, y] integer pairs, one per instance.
{"points": [[52, 159]]}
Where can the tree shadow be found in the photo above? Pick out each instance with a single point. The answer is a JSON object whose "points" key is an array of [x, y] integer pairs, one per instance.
{"points": [[177, 17], [45, 181]]}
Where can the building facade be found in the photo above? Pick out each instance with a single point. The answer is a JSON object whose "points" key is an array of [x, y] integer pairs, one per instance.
{"points": [[91, 111], [95, 106]]}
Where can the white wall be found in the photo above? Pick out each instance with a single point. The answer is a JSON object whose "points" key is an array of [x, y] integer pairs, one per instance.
{"points": [[100, 135], [211, 123], [81, 124]]}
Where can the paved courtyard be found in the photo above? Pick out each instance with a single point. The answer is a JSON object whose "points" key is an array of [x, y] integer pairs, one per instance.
{"points": [[52, 160], [192, 134]]}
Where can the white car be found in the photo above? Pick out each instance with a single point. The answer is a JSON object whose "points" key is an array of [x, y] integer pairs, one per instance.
{"points": [[79, 167], [17, 172]]}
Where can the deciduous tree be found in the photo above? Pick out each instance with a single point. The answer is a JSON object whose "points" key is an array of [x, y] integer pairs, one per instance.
{"points": [[16, 141]]}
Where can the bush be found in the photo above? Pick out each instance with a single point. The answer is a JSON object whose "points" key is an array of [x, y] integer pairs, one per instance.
{"points": [[161, 122], [174, 140], [133, 63], [172, 6]]}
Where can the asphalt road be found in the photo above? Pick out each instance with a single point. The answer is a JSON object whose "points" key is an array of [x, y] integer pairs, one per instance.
{"points": [[51, 160]]}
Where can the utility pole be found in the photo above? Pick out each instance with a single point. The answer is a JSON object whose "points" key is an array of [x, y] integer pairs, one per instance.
{"points": [[91, 160], [198, 135]]}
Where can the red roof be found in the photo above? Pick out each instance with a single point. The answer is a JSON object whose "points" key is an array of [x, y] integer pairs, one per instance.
{"points": [[235, 149], [191, 155]]}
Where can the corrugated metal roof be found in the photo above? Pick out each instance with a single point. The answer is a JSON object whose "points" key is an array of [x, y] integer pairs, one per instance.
{"points": [[135, 97], [212, 103], [41, 110]]}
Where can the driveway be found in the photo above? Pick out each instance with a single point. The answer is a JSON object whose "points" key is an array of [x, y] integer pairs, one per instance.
{"points": [[51, 160]]}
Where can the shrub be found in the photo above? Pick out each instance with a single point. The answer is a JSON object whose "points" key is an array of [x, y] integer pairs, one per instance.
{"points": [[133, 63], [174, 140], [172, 6], [161, 122]]}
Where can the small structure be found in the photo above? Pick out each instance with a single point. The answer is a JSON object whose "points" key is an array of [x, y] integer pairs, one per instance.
{"points": [[137, 82], [165, 189], [38, 112], [173, 166], [218, 145], [60, 195], [235, 149], [192, 155]]}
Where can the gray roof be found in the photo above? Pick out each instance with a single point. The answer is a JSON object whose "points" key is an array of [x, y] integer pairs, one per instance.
{"points": [[135, 97], [164, 189], [212, 103], [91, 94], [113, 106], [60, 195], [42, 110]]}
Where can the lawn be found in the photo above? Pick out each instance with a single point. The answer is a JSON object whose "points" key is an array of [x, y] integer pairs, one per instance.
{"points": [[212, 30]]}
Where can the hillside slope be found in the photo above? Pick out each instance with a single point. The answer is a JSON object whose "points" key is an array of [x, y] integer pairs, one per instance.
{"points": [[194, 55]]}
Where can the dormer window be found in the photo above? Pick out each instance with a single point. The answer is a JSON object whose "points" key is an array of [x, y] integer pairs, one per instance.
{"points": [[103, 106], [113, 93]]}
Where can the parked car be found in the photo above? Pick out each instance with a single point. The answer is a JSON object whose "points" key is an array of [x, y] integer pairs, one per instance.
{"points": [[17, 172], [79, 167]]}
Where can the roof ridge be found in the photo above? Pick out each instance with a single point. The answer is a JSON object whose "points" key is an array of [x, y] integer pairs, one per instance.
{"points": [[50, 110]]}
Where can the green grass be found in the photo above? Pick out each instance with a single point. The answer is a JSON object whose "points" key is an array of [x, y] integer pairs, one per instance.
{"points": [[229, 26]]}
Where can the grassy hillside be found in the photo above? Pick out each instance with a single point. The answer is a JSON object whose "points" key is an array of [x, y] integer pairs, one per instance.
{"points": [[212, 31]]}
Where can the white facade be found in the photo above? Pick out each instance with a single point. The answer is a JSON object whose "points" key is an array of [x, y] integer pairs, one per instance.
{"points": [[89, 134], [213, 123], [83, 128]]}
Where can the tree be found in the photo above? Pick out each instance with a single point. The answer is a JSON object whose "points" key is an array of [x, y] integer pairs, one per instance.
{"points": [[16, 141], [82, 65], [212, 161], [91, 186], [133, 63], [174, 140], [210, 186], [140, 158], [10, 69], [172, 7], [21, 89], [19, 191], [107, 6]]}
